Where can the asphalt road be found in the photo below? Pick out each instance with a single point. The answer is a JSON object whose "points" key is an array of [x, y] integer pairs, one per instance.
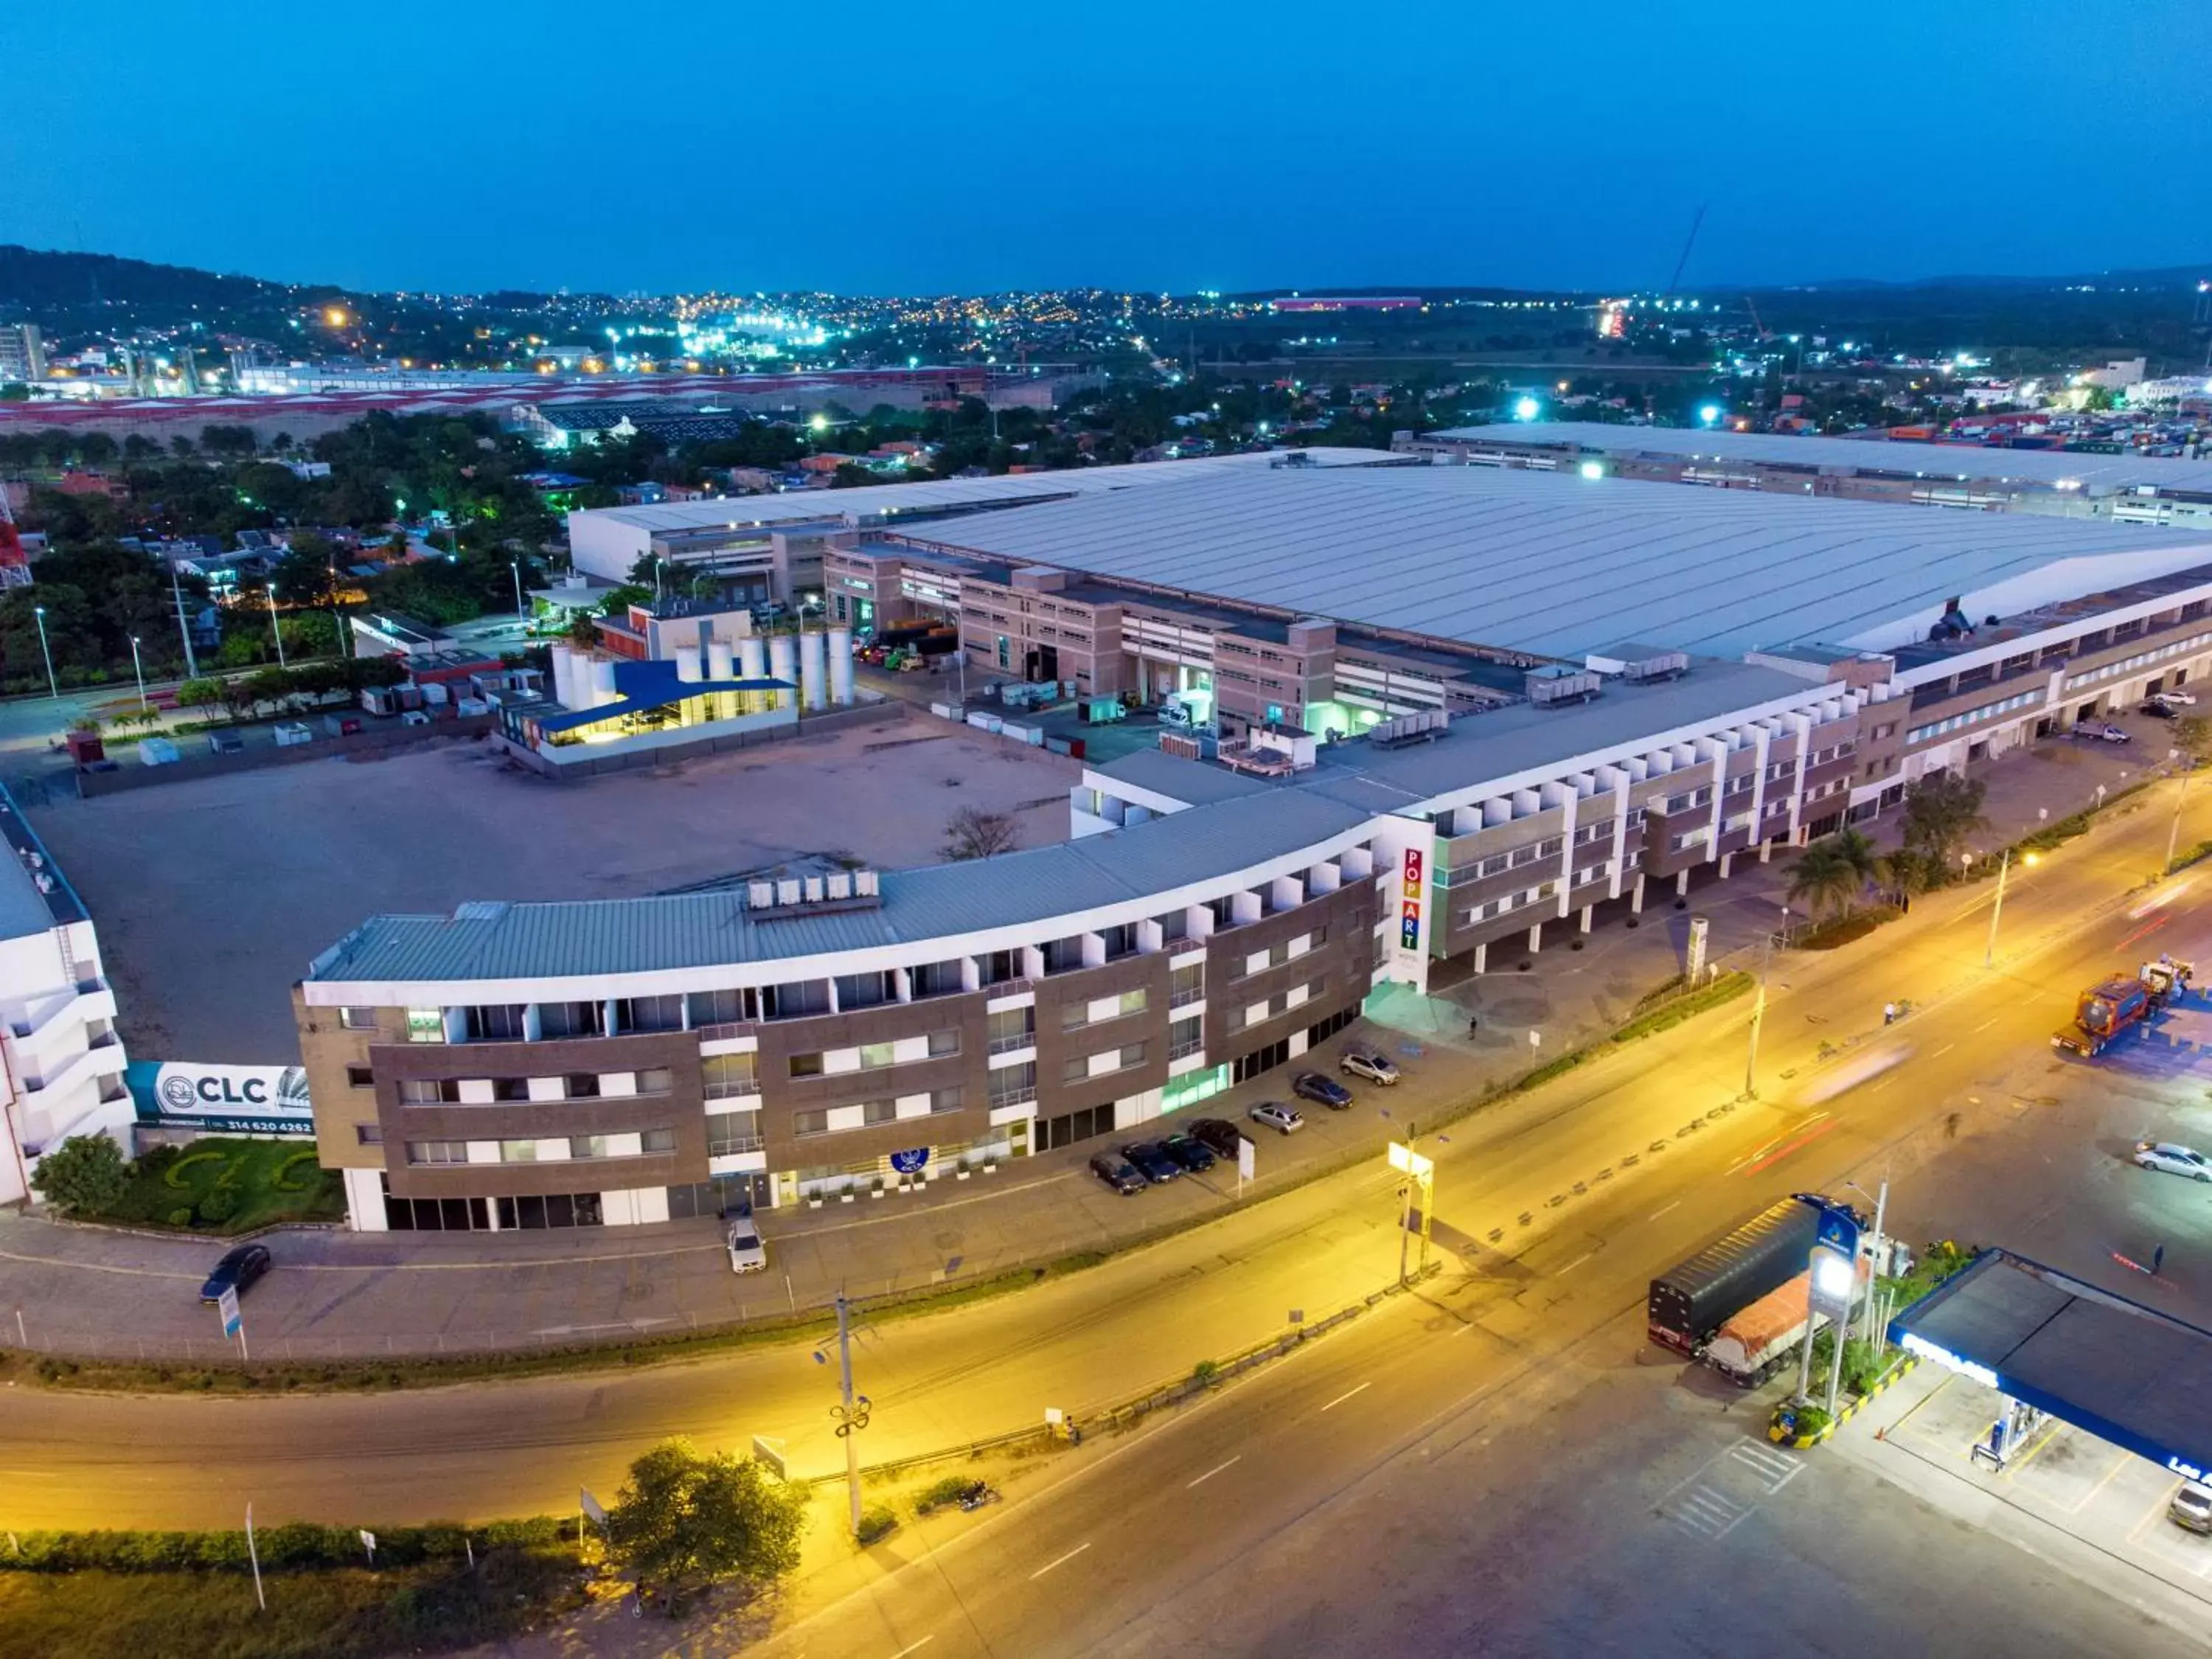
{"points": [[1396, 1477]]}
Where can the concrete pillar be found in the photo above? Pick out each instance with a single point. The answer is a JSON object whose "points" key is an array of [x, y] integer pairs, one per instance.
{"points": [[1682, 882], [1536, 939], [1586, 911], [1636, 898], [1482, 951], [1766, 850], [1727, 859]]}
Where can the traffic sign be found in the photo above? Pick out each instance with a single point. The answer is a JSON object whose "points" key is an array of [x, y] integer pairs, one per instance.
{"points": [[227, 1305]]}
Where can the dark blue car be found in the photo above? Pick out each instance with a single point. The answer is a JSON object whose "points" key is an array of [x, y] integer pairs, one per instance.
{"points": [[1322, 1091], [235, 1272], [1153, 1159]]}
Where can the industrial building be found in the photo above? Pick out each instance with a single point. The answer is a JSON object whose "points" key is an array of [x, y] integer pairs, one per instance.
{"points": [[1597, 688], [64, 1061], [2153, 489]]}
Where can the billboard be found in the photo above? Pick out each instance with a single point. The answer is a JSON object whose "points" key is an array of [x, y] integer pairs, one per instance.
{"points": [[258, 1100]]}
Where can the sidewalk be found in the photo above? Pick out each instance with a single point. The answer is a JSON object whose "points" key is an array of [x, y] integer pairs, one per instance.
{"points": [[94, 1293]]}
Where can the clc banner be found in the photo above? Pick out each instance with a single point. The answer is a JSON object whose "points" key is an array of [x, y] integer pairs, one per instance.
{"points": [[264, 1100]]}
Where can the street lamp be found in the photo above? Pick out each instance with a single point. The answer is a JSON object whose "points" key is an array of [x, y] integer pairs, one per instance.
{"points": [[2174, 835], [139, 669], [1996, 909], [274, 632], [1422, 1172], [516, 566], [1875, 1335], [54, 685]]}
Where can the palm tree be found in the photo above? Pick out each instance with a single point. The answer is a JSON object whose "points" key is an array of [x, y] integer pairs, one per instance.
{"points": [[1824, 878]]}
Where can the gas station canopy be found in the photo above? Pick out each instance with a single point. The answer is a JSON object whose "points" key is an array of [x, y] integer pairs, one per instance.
{"points": [[2124, 1372]]}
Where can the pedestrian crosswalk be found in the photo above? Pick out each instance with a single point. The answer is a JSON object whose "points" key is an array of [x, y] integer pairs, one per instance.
{"points": [[1716, 1500]]}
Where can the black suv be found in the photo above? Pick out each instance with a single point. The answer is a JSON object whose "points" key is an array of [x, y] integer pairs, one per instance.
{"points": [[1119, 1173], [1217, 1135], [236, 1271]]}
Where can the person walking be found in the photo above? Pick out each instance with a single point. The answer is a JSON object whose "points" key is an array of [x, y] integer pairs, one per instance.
{"points": [[2157, 1260], [1889, 1013]]}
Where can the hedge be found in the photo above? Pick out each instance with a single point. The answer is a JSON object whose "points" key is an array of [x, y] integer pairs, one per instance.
{"points": [[294, 1547]]}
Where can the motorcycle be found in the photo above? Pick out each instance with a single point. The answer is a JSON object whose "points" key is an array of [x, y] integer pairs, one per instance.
{"points": [[977, 1496]]}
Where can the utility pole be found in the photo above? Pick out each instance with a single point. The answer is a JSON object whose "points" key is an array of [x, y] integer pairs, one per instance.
{"points": [[184, 628], [1880, 1213], [1758, 1015], [1405, 1220], [853, 1414], [1996, 909], [2174, 835]]}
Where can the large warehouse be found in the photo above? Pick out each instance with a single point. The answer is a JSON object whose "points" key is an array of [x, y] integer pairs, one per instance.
{"points": [[2153, 489], [1455, 708]]}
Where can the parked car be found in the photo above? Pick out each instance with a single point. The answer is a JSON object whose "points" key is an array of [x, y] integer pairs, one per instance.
{"points": [[1375, 1066], [1325, 1092], [2170, 1159], [1194, 1155], [2186, 699], [1276, 1115], [747, 1253], [2159, 709], [2101, 732], [237, 1271], [2191, 1507], [1123, 1176], [1217, 1135], [1153, 1159]]}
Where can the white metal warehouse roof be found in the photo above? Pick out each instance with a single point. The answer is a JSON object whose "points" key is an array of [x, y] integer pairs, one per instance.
{"points": [[1560, 565], [2040, 468]]}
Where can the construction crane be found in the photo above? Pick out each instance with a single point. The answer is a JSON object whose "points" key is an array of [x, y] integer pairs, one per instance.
{"points": [[1765, 332], [1688, 242]]}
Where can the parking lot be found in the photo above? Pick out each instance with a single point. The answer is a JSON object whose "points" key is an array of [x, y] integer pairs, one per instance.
{"points": [[213, 894]]}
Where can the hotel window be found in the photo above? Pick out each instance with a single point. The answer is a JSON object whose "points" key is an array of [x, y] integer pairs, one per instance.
{"points": [[359, 1077], [945, 1100], [437, 1152], [730, 1074], [813, 1121], [655, 1081], [368, 1134], [357, 1019], [807, 1064], [873, 1112], [426, 1025], [657, 1140], [429, 1091]]}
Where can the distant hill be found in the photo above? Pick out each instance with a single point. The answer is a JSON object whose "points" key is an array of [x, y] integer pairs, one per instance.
{"points": [[40, 282]]}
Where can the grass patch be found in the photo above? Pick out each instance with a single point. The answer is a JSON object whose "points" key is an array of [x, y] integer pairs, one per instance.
{"points": [[1650, 1019], [877, 1522], [334, 1613], [227, 1186], [1844, 929]]}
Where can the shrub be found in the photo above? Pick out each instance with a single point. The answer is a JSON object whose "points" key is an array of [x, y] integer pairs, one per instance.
{"points": [[84, 1175], [156, 1160], [877, 1523], [181, 1217], [218, 1206], [1205, 1373]]}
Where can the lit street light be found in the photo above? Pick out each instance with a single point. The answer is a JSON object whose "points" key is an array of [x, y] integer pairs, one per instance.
{"points": [[274, 632], [1421, 1172], [54, 685], [139, 669], [516, 566]]}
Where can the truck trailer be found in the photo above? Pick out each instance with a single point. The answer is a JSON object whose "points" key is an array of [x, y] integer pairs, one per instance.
{"points": [[2107, 1010], [1689, 1303]]}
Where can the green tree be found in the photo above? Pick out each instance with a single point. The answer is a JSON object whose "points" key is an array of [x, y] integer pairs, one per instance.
{"points": [[685, 1519], [85, 1174], [2192, 736], [1941, 810], [1825, 880]]}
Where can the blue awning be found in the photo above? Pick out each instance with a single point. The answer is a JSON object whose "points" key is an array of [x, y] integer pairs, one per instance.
{"points": [[646, 686]]}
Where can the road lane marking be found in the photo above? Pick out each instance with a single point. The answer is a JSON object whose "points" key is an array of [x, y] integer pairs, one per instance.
{"points": [[1656, 1214], [1942, 1051], [1341, 1398], [915, 1647], [1802, 1141], [1985, 1025], [1563, 1272], [1211, 1472], [1062, 1561]]}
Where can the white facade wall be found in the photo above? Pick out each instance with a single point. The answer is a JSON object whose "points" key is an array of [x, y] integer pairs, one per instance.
{"points": [[64, 1061]]}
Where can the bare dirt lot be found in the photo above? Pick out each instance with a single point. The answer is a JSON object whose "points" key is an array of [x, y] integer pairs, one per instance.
{"points": [[212, 897]]}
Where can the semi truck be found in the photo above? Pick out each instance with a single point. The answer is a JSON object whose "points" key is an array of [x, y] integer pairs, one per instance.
{"points": [[1689, 1303], [2109, 1008], [1754, 1342]]}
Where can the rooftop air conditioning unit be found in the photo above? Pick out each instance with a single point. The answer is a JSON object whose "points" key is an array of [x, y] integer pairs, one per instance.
{"points": [[1556, 687], [760, 895]]}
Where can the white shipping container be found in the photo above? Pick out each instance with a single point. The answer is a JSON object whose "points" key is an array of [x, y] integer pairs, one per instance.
{"points": [[985, 723]]}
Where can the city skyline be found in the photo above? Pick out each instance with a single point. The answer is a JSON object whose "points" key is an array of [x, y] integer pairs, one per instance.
{"points": [[1440, 154]]}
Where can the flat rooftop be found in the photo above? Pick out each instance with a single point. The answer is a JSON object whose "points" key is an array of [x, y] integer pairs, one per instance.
{"points": [[1890, 457], [1558, 566]]}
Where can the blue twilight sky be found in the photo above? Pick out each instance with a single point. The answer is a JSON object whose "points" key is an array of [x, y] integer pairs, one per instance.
{"points": [[969, 144]]}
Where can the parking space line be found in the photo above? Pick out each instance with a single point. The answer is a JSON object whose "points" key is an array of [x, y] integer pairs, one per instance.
{"points": [[1211, 1472], [1341, 1398], [2119, 1462], [1062, 1561], [1561, 1273], [915, 1647]]}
